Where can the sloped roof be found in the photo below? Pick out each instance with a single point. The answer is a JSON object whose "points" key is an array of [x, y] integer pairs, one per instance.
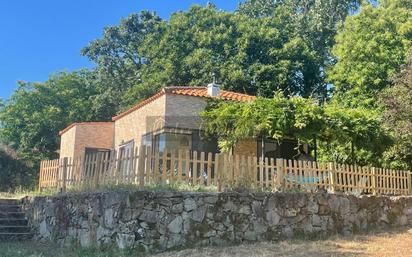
{"points": [[83, 124], [189, 91]]}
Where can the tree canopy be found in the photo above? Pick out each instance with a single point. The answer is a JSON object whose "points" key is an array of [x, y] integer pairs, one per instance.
{"points": [[330, 68], [36, 112], [397, 117], [302, 119], [370, 48]]}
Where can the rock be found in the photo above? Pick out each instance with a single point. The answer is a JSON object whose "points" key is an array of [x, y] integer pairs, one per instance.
{"points": [[177, 208], [211, 199], [149, 216], [101, 233], [250, 235], [139, 234], [259, 227], [313, 207], [164, 202], [245, 209], [324, 210], [290, 213], [229, 206], [403, 220], [384, 218], [176, 225], [198, 214], [85, 238], [43, 230], [108, 218], [273, 218], [257, 209], [316, 221], [125, 241], [210, 233], [174, 240], [189, 204], [344, 206]]}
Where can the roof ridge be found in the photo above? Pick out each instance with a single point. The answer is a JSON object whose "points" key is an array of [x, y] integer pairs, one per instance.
{"points": [[187, 91]]}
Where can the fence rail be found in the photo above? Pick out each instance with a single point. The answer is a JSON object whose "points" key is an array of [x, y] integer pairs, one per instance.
{"points": [[142, 166]]}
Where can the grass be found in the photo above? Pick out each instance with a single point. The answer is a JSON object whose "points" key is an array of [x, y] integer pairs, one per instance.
{"points": [[389, 243], [157, 187], [32, 249]]}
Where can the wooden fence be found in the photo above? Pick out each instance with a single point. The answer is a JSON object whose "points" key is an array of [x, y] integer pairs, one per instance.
{"points": [[142, 166]]}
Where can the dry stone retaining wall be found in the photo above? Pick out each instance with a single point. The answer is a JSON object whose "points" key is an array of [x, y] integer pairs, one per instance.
{"points": [[165, 220]]}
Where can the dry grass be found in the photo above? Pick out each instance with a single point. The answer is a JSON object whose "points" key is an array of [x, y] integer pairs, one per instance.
{"points": [[394, 243]]}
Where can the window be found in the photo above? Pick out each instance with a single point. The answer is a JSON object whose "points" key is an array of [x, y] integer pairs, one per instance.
{"points": [[172, 141], [202, 144], [91, 150], [286, 149], [147, 140]]}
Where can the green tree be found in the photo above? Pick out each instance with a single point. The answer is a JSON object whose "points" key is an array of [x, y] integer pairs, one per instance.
{"points": [[345, 135], [397, 100], [315, 22], [14, 172], [277, 118], [370, 48], [34, 114], [118, 57], [255, 56]]}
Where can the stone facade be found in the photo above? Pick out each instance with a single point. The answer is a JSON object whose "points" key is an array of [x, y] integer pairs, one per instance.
{"points": [[167, 220], [94, 135]]}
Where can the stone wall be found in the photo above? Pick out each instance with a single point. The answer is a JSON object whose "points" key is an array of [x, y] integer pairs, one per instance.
{"points": [[165, 220]]}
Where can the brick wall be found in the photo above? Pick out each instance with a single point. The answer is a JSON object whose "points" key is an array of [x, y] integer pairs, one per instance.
{"points": [[184, 111], [169, 110], [93, 135], [67, 143], [147, 118]]}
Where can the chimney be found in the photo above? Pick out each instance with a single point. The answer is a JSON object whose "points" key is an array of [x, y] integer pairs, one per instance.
{"points": [[213, 90]]}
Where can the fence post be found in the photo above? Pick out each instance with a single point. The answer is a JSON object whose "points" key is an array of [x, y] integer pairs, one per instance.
{"points": [[280, 174], [64, 171], [41, 176], [374, 192], [332, 177], [409, 183], [218, 171], [141, 165]]}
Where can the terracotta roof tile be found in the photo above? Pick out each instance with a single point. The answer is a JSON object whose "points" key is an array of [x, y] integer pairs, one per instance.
{"points": [[189, 91], [202, 92], [139, 105], [83, 123]]}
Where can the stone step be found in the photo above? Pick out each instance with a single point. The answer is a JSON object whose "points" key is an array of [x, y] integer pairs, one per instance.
{"points": [[14, 229], [12, 215], [13, 222], [10, 208], [10, 201], [15, 236]]}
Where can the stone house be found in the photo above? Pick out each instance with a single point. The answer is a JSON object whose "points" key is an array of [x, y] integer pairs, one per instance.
{"points": [[169, 119]]}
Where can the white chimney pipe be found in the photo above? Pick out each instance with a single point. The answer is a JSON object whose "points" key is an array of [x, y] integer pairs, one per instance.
{"points": [[213, 90]]}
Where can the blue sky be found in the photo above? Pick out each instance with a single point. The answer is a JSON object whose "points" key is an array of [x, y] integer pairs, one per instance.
{"points": [[41, 37]]}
